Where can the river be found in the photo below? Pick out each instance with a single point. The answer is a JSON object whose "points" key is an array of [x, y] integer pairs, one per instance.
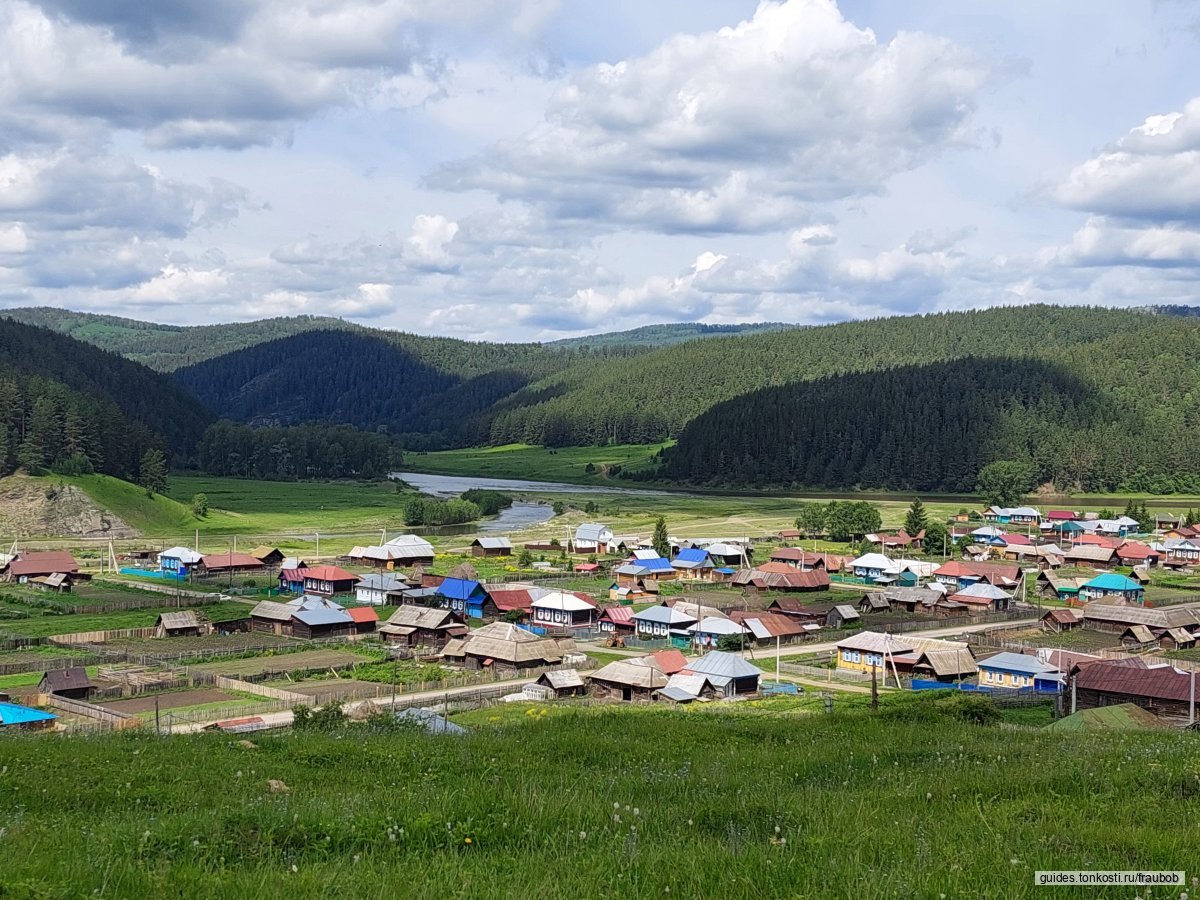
{"points": [[453, 485]]}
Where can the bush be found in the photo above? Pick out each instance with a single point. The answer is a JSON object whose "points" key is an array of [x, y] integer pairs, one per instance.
{"points": [[324, 718]]}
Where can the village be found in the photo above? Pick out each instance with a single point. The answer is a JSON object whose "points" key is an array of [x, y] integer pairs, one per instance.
{"points": [[1066, 611]]}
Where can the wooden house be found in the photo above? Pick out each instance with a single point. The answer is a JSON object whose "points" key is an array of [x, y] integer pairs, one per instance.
{"points": [[39, 569], [327, 581], [593, 537], [1114, 618], [1017, 671], [268, 556], [687, 687], [307, 616], [291, 581], [185, 623], [418, 626], [381, 589], [505, 647], [1162, 690], [842, 616], [783, 577], [1177, 639], [561, 609], [663, 622], [1092, 555], [767, 628], [731, 675], [947, 666], [230, 563], [511, 599], [365, 619], [616, 620], [1059, 620], [629, 680], [465, 596], [563, 683], [491, 546], [72, 683], [1113, 586], [179, 561]]}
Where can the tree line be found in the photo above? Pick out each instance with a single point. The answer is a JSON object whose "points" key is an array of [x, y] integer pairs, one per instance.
{"points": [[296, 452]]}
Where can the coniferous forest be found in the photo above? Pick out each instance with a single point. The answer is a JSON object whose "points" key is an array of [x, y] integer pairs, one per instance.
{"points": [[1091, 399]]}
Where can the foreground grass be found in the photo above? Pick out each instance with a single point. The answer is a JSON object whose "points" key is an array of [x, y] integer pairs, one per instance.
{"points": [[906, 802]]}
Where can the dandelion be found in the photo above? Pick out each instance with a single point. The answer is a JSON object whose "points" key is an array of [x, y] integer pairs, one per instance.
{"points": [[636, 811], [466, 840], [689, 823], [616, 806], [928, 796], [777, 829], [295, 868], [616, 818], [583, 835]]}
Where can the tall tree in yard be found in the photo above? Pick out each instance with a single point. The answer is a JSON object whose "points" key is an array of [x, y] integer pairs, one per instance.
{"points": [[811, 519], [916, 520], [660, 541], [1004, 482], [152, 473]]}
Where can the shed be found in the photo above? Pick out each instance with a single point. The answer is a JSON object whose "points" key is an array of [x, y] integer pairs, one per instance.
{"points": [[491, 546], [268, 556], [72, 683], [841, 615], [729, 673], [1137, 636], [563, 682], [185, 623], [628, 680], [1061, 620]]}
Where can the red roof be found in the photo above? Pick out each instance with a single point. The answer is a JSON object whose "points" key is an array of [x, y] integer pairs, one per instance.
{"points": [[793, 553], [991, 572], [232, 561], [787, 533], [587, 567], [1017, 540], [45, 563], [618, 615], [1100, 540], [778, 567], [1065, 616], [506, 601], [670, 661], [1061, 515], [362, 614], [777, 624], [292, 574], [1132, 678], [329, 573], [1135, 550]]}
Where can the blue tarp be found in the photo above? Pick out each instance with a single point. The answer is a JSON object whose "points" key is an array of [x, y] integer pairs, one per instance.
{"points": [[15, 714]]}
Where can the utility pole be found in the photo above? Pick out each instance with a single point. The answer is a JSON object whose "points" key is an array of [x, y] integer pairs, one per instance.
{"points": [[874, 687]]}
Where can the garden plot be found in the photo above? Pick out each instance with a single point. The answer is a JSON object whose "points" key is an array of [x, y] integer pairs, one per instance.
{"points": [[1080, 639], [171, 700], [175, 647], [305, 660], [336, 688]]}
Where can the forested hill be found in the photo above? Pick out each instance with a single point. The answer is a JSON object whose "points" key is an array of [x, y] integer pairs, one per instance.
{"points": [[170, 347], [61, 398], [650, 336], [646, 398], [351, 378], [922, 428]]}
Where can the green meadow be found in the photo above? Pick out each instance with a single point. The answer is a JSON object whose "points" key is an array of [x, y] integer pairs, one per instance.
{"points": [[776, 799]]}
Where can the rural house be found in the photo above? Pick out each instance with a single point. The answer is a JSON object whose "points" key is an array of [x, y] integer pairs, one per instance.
{"points": [[185, 623], [766, 628], [404, 550], [491, 546], [777, 576], [1059, 620], [1114, 618], [693, 562], [291, 581], [464, 596], [982, 597], [592, 537], [709, 630], [560, 609], [268, 556], [305, 617], [41, 569], [616, 620], [687, 688], [731, 675], [1016, 671], [230, 563], [663, 622], [629, 680], [505, 647], [870, 650], [1113, 586], [72, 683], [419, 626], [842, 615], [1163, 690], [179, 560], [380, 589], [326, 581], [511, 600], [563, 683]]}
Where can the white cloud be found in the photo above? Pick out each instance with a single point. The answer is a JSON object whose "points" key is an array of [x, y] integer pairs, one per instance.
{"points": [[739, 129], [427, 244], [13, 238], [1151, 174]]}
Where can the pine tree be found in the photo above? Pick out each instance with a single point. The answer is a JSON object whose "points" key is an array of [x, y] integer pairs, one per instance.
{"points": [[152, 473], [916, 520], [661, 542]]}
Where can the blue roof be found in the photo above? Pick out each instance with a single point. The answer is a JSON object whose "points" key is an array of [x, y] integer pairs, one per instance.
{"points": [[725, 570], [458, 588], [1017, 662], [15, 714], [661, 564], [1111, 581], [691, 554]]}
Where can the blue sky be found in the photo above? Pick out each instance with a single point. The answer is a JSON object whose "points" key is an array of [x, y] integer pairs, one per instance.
{"points": [[536, 169]]}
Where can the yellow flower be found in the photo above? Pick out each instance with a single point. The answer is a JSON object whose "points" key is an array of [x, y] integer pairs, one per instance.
{"points": [[466, 840]]}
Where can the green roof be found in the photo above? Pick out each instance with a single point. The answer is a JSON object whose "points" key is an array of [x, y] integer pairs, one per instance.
{"points": [[1123, 717]]}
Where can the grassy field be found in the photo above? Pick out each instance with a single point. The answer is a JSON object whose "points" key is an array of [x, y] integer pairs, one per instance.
{"points": [[41, 626], [773, 800], [567, 464]]}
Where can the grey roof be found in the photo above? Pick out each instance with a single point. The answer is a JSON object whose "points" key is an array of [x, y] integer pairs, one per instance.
{"points": [[593, 531], [1018, 662], [184, 619], [383, 582], [666, 615], [269, 609], [429, 721], [560, 679], [633, 672], [1141, 633], [729, 665], [846, 611], [421, 617], [493, 543], [984, 591], [1090, 553], [1158, 617]]}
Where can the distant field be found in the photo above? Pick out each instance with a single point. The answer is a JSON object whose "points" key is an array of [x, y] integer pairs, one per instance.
{"points": [[567, 464]]}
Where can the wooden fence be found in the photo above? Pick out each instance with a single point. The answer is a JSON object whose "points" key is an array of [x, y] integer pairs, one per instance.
{"points": [[249, 687], [100, 637], [89, 711], [49, 664]]}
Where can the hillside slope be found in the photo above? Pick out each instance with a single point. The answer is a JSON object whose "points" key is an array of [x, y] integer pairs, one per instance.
{"points": [[40, 507], [666, 335], [760, 800], [61, 398]]}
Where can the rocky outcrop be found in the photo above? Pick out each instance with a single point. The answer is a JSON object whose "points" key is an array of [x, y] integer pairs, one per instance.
{"points": [[44, 508]]}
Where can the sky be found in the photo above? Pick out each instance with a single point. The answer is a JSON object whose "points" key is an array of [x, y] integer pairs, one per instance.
{"points": [[538, 169]]}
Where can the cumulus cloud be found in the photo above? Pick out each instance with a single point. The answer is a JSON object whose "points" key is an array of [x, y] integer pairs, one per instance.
{"points": [[225, 74], [738, 129], [1151, 174]]}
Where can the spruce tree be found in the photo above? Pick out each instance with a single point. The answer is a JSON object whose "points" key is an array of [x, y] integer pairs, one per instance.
{"points": [[661, 542], [916, 520]]}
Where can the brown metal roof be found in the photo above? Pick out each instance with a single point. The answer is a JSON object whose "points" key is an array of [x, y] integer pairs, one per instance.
{"points": [[44, 563], [65, 680], [1124, 679]]}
